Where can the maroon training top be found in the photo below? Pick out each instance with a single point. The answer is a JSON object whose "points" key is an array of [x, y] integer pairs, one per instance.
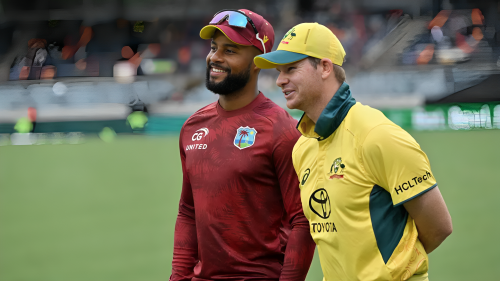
{"points": [[240, 204]]}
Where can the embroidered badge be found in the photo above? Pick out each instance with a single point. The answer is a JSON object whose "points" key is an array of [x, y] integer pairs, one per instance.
{"points": [[245, 137]]}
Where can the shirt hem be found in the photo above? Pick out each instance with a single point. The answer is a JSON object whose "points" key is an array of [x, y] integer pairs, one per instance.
{"points": [[419, 277], [413, 197]]}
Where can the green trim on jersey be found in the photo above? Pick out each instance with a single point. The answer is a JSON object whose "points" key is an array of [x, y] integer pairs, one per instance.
{"points": [[388, 221], [334, 113], [416, 195]]}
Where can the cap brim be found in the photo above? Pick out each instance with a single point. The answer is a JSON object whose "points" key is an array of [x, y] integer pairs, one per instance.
{"points": [[208, 31], [280, 57]]}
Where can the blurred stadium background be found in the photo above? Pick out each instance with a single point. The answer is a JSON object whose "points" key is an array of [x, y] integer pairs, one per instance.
{"points": [[93, 95]]}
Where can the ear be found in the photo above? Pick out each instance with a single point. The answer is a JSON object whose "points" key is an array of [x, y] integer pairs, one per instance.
{"points": [[254, 67], [326, 68], [256, 52]]}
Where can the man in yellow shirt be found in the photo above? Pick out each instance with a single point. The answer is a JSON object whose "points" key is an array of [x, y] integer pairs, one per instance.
{"points": [[367, 188]]}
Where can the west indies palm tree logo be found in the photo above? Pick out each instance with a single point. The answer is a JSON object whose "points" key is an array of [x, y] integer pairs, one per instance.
{"points": [[245, 137]]}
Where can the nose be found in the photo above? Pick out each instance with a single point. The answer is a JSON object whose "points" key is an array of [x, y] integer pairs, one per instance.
{"points": [[215, 57], [282, 80]]}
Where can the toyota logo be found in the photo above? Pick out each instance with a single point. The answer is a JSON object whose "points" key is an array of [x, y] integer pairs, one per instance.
{"points": [[319, 202]]}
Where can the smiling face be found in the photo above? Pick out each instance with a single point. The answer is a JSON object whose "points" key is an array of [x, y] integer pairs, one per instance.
{"points": [[301, 84], [229, 66]]}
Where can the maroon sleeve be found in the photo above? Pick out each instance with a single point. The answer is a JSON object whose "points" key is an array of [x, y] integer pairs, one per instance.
{"points": [[185, 240], [300, 247]]}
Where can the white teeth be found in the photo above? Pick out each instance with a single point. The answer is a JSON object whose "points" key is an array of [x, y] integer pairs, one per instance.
{"points": [[217, 70]]}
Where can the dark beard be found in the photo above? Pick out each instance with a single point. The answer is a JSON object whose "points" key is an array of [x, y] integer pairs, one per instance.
{"points": [[232, 83]]}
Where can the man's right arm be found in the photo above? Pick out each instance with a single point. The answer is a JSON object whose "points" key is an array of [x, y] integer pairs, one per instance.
{"points": [[398, 164], [185, 240], [432, 218]]}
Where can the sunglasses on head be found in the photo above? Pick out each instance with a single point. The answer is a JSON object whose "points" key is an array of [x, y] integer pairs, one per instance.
{"points": [[237, 19]]}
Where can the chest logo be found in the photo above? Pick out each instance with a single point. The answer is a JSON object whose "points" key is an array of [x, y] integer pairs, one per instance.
{"points": [[319, 202], [199, 134], [337, 169], [306, 176], [245, 137]]}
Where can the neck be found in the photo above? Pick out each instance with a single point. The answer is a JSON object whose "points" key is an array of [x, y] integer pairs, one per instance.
{"points": [[241, 98], [317, 107]]}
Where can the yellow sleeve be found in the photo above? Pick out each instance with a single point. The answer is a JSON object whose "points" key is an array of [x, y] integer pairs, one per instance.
{"points": [[294, 160], [395, 162]]}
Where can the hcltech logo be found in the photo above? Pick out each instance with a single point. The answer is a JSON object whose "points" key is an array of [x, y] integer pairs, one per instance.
{"points": [[408, 184]]}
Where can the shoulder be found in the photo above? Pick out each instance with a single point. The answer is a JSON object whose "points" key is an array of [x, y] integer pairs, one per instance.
{"points": [[302, 145], [200, 115], [388, 136], [281, 125], [363, 120], [303, 151], [275, 114], [388, 141]]}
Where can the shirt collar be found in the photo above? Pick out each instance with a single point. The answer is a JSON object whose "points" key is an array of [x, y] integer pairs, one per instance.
{"points": [[330, 118], [230, 113]]}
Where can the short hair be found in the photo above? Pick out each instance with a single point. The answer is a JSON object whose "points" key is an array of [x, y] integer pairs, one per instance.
{"points": [[337, 69]]}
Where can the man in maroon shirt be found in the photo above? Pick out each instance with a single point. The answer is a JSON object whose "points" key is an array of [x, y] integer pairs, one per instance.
{"points": [[240, 215]]}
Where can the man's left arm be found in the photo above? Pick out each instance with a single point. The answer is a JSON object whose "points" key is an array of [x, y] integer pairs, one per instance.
{"points": [[432, 218], [300, 246]]}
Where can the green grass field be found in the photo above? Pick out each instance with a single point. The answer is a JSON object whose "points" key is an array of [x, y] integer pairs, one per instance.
{"points": [[106, 211]]}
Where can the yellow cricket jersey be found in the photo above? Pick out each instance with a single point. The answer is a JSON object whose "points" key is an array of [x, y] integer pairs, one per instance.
{"points": [[356, 169]]}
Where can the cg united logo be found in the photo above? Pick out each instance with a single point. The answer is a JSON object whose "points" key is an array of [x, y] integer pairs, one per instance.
{"points": [[319, 202], [199, 134]]}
